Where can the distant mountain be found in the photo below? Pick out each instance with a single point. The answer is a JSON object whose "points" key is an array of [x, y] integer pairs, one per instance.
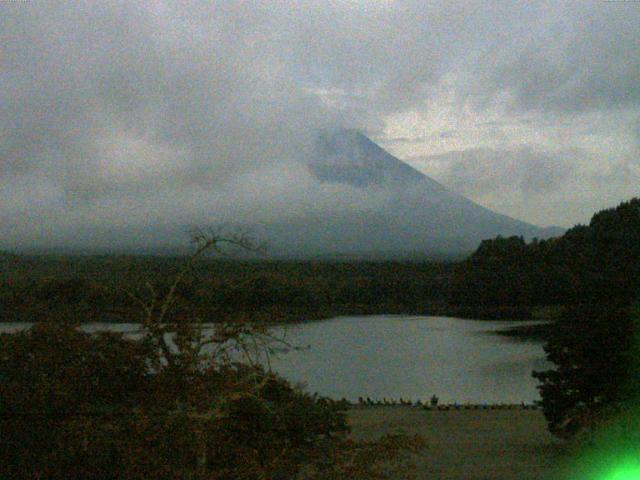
{"points": [[391, 209], [349, 157], [354, 200]]}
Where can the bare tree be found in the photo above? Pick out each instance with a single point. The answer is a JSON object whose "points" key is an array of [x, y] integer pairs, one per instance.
{"points": [[183, 345]]}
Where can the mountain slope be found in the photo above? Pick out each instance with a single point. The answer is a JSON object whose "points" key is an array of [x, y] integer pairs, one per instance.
{"points": [[388, 208]]}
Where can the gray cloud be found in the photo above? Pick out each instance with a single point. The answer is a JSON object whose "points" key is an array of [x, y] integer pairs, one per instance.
{"points": [[577, 57], [125, 113], [550, 188], [483, 171]]}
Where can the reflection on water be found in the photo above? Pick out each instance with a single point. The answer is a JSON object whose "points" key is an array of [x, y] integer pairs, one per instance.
{"points": [[402, 356]]}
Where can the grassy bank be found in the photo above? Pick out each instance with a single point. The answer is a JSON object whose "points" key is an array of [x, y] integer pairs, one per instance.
{"points": [[511, 444]]}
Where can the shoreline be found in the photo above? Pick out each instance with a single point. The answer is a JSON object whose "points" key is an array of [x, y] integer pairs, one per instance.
{"points": [[526, 332], [444, 407]]}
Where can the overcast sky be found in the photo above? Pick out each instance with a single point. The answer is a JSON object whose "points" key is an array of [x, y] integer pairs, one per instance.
{"points": [[120, 113]]}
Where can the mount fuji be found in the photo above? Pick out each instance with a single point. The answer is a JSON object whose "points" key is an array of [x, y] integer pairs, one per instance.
{"points": [[383, 207]]}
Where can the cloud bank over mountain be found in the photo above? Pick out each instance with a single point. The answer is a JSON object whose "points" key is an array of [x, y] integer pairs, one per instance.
{"points": [[127, 115]]}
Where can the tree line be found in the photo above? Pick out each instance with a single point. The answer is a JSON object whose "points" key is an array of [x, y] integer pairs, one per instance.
{"points": [[95, 287], [589, 264], [593, 273]]}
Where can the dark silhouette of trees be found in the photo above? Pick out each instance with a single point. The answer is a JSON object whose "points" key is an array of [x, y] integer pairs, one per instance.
{"points": [[75, 405], [590, 348], [593, 273], [176, 402], [588, 264], [594, 344]]}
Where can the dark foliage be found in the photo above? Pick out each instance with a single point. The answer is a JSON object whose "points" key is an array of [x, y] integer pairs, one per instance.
{"points": [[591, 347], [95, 287], [588, 264], [593, 344], [74, 405], [593, 273], [175, 403]]}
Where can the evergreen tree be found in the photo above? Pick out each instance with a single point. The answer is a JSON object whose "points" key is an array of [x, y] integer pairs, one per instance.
{"points": [[591, 348]]}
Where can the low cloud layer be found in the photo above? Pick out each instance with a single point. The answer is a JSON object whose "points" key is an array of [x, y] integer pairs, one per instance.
{"points": [[124, 114]]}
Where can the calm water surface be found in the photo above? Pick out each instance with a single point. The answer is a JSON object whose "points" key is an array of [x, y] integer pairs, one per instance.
{"points": [[403, 356], [413, 358]]}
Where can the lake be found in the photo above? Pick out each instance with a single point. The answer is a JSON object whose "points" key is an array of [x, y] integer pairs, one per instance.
{"points": [[413, 358], [410, 357]]}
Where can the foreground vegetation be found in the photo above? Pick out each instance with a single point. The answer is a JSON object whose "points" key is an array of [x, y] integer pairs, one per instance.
{"points": [[591, 275], [175, 403], [90, 406]]}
